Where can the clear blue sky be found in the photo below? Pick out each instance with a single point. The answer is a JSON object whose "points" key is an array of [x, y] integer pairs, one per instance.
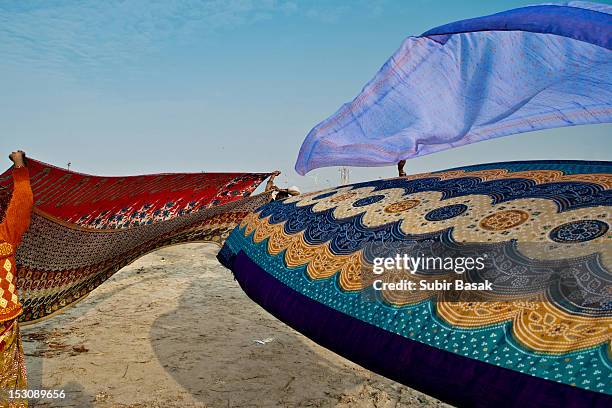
{"points": [[128, 87]]}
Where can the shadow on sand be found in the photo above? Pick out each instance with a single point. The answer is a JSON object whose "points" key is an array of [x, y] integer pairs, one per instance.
{"points": [[225, 364]]}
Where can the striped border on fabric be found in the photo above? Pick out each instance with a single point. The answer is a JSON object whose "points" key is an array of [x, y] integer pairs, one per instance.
{"points": [[450, 377]]}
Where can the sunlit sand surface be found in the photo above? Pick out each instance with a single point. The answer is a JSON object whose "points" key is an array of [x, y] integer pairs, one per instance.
{"points": [[175, 330]]}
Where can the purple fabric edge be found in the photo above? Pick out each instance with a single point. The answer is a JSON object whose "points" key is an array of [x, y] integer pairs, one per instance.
{"points": [[452, 378], [577, 23]]}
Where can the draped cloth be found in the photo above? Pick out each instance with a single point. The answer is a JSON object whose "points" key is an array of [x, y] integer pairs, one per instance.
{"points": [[540, 337], [526, 69], [85, 228]]}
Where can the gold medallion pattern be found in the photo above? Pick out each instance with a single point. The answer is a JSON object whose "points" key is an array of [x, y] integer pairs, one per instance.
{"points": [[401, 206], [503, 220], [6, 249], [342, 197]]}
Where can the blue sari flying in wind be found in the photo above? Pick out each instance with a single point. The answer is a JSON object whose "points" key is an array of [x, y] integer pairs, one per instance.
{"points": [[526, 69]]}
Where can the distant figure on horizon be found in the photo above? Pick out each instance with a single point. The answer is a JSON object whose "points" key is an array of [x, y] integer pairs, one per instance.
{"points": [[16, 220], [400, 168]]}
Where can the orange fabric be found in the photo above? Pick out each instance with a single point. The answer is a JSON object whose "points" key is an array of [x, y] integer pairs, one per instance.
{"points": [[15, 224]]}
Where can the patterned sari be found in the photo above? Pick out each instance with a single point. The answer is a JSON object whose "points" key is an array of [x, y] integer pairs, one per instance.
{"points": [[13, 374]]}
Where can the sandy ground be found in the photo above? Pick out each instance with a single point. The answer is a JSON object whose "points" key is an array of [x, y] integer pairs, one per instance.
{"points": [[175, 330]]}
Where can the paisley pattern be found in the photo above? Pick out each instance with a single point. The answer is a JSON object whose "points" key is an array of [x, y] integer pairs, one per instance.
{"points": [[543, 224]]}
